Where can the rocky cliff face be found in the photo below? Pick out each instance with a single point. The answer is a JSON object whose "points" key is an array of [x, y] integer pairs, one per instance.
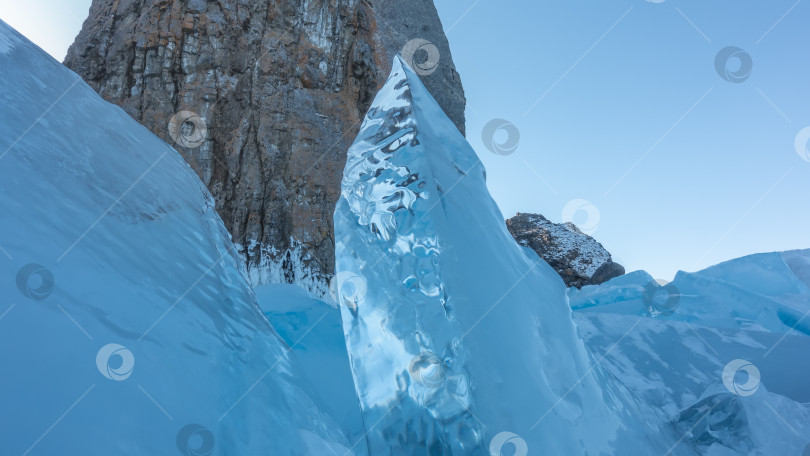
{"points": [[577, 257], [263, 98]]}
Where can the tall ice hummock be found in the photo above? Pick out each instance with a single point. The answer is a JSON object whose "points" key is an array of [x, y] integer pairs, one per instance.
{"points": [[126, 321], [459, 342]]}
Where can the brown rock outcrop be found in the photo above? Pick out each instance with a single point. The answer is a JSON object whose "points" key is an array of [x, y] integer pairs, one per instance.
{"points": [[263, 98]]}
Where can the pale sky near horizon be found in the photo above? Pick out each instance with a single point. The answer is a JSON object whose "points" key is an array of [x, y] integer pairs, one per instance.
{"points": [[620, 104]]}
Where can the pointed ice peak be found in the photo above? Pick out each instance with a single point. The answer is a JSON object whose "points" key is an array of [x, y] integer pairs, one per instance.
{"points": [[404, 88], [399, 64], [395, 95], [400, 72], [380, 177]]}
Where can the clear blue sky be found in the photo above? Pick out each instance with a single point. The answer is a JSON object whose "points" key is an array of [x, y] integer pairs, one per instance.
{"points": [[619, 103]]}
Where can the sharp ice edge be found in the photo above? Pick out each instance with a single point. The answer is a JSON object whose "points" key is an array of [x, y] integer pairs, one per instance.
{"points": [[9, 39]]}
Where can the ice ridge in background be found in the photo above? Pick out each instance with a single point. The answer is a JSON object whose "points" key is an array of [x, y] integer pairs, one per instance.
{"points": [[725, 351]]}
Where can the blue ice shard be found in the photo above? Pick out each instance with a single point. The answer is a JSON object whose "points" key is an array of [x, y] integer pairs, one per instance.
{"points": [[458, 341]]}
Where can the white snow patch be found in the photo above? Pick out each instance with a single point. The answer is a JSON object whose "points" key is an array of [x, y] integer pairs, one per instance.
{"points": [[590, 254]]}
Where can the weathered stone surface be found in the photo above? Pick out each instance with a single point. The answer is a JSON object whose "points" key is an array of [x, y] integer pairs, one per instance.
{"points": [[577, 257], [271, 94], [607, 271]]}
